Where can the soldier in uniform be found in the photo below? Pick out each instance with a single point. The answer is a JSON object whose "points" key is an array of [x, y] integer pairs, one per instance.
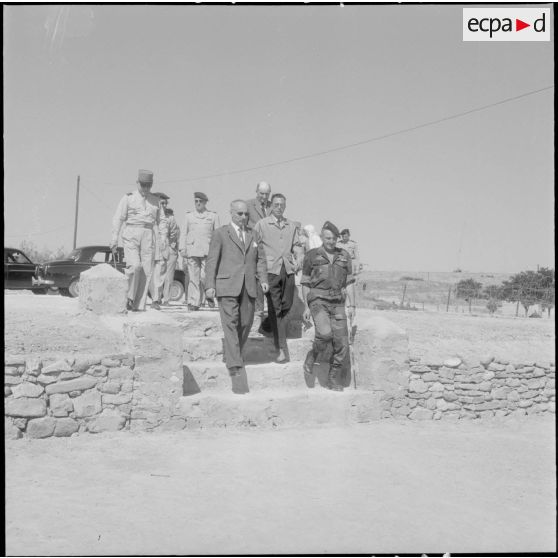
{"points": [[173, 238], [194, 247], [139, 213], [327, 280], [161, 256], [350, 246]]}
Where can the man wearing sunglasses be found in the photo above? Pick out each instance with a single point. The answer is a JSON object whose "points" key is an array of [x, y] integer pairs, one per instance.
{"points": [[139, 213], [234, 261], [194, 247]]}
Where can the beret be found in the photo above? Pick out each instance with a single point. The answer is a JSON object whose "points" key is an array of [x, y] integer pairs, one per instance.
{"points": [[328, 225], [145, 176], [200, 196], [345, 231], [161, 195]]}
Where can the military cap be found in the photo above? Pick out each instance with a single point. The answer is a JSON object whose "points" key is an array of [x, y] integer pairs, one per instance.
{"points": [[145, 176], [329, 226], [345, 231], [161, 195], [200, 196]]}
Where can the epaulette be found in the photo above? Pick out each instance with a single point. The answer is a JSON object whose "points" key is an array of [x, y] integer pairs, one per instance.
{"points": [[129, 193]]}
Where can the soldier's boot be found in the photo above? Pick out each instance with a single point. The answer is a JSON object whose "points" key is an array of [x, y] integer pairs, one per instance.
{"points": [[332, 381]]}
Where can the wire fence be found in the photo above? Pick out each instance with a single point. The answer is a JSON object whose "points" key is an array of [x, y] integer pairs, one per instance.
{"points": [[529, 300]]}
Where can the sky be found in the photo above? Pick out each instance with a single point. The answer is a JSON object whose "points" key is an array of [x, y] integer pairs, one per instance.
{"points": [[202, 94]]}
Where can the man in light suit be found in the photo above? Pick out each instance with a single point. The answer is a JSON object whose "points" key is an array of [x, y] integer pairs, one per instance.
{"points": [[233, 262], [259, 208]]}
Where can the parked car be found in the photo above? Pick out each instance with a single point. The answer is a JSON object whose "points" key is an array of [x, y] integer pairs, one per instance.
{"points": [[19, 271], [64, 274]]}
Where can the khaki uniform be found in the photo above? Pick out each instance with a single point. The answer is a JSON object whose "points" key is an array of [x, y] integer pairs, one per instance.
{"points": [[352, 248], [161, 259], [173, 239], [140, 238], [194, 247]]}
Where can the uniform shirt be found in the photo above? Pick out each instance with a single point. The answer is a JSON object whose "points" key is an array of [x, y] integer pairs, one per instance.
{"points": [[173, 233], [197, 231], [278, 240], [352, 247], [324, 276], [135, 209]]}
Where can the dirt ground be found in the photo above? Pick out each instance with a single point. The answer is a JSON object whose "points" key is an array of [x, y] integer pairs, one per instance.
{"points": [[384, 487]]}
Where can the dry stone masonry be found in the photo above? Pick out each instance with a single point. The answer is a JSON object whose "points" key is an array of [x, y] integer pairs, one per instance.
{"points": [[171, 376]]}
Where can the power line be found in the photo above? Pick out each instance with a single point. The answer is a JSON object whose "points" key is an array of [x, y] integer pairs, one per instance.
{"points": [[363, 142]]}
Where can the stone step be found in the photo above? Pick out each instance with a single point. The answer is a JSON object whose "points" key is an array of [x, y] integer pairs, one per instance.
{"points": [[211, 376], [257, 349], [276, 408]]}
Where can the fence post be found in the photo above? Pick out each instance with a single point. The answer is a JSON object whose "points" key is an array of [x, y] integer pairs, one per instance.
{"points": [[449, 294]]}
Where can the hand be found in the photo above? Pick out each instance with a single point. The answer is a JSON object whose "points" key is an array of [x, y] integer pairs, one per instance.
{"points": [[307, 315], [210, 293], [265, 287]]}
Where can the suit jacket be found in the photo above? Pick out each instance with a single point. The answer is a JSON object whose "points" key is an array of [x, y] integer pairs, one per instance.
{"points": [[255, 212], [228, 265]]}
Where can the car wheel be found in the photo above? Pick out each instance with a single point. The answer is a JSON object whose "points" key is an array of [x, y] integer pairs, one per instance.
{"points": [[40, 291], [73, 288], [176, 291], [63, 291]]}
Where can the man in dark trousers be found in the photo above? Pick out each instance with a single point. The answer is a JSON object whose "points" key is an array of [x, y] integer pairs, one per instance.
{"points": [[327, 280], [283, 249], [233, 262]]}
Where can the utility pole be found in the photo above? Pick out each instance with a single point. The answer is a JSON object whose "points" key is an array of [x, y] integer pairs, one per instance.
{"points": [[403, 297], [77, 207]]}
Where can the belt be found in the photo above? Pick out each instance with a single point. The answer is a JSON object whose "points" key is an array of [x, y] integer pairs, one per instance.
{"points": [[334, 293], [145, 226]]}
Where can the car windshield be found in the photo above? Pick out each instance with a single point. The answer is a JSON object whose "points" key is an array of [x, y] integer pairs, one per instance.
{"points": [[74, 254]]}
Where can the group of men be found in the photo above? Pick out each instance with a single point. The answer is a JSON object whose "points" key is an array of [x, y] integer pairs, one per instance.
{"points": [[258, 256]]}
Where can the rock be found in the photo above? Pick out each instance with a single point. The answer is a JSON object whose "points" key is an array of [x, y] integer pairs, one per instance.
{"points": [[27, 389], [488, 375], [437, 415], [420, 369], [11, 431], [14, 360], [538, 373], [441, 404], [98, 371], [484, 386], [437, 387], [452, 362], [65, 427], [33, 366], [501, 393], [79, 384], [486, 360], [513, 382], [103, 290], [503, 361], [121, 373], [41, 428], [110, 362], [109, 420], [119, 399], [45, 380], [420, 413], [11, 371], [417, 386], [449, 396], [495, 367], [431, 404], [56, 367], [82, 364], [110, 387], [487, 406], [68, 375], [401, 411], [25, 407], [12, 380], [88, 404], [536, 383], [525, 403], [448, 373], [7, 391], [60, 404]]}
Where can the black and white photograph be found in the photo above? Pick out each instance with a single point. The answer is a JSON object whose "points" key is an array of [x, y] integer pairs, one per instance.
{"points": [[279, 279]]}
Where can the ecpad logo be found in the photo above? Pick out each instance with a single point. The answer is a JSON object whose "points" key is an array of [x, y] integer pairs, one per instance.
{"points": [[506, 24]]}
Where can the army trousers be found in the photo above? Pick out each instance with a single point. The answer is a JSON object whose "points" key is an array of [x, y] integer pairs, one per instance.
{"points": [[196, 286], [157, 280], [169, 276], [139, 248], [330, 322]]}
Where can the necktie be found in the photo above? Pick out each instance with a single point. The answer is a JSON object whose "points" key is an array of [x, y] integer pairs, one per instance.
{"points": [[241, 234]]}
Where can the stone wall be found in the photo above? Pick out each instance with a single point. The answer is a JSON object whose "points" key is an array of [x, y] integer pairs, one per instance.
{"points": [[455, 390], [66, 395]]}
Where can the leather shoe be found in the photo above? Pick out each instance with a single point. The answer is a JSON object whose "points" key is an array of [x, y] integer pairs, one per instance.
{"points": [[155, 305], [235, 370], [193, 308], [211, 303], [130, 305]]}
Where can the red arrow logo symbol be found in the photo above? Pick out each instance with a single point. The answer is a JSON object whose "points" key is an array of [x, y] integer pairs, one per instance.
{"points": [[519, 25]]}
